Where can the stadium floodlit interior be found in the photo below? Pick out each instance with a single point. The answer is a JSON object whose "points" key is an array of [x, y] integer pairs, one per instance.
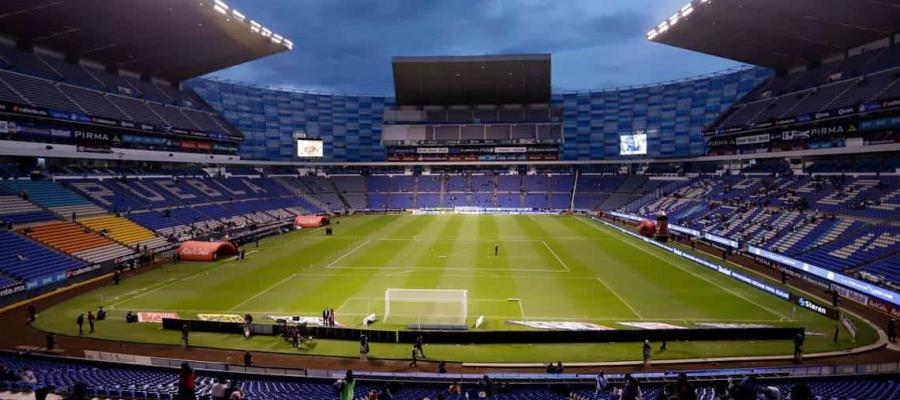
{"points": [[168, 233]]}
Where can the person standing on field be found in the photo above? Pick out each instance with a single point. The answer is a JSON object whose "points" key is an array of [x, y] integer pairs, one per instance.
{"points": [[420, 342], [415, 357], [496, 249], [647, 350], [185, 331], [91, 320], [80, 322], [892, 330]]}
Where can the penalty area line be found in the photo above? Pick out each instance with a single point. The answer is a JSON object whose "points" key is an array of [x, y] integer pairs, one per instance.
{"points": [[561, 262], [622, 299], [347, 254]]}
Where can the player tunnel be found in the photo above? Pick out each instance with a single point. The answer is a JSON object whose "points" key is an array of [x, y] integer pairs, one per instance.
{"points": [[194, 250], [310, 221]]}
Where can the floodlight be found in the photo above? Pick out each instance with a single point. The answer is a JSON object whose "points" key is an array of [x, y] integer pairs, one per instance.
{"points": [[238, 16]]}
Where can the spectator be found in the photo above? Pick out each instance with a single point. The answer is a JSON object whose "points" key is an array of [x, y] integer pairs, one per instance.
{"points": [[631, 390], [683, 388], [348, 386], [186, 389], [218, 389], [601, 383], [28, 376], [235, 391], [801, 391]]}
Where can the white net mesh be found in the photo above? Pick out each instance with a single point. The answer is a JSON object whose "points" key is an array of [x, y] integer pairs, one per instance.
{"points": [[425, 306]]}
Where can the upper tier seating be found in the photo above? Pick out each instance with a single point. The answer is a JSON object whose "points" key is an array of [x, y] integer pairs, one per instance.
{"points": [[24, 259], [45, 81], [870, 76], [54, 197], [77, 241]]}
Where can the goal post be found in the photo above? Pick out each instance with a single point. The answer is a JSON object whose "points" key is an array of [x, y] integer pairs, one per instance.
{"points": [[426, 306]]}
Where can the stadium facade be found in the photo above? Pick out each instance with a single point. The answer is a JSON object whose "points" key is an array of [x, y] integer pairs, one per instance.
{"points": [[674, 114]]}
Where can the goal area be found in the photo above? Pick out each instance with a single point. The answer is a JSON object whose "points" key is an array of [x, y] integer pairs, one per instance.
{"points": [[425, 306]]}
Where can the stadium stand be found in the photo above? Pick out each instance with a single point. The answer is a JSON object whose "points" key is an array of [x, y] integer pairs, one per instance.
{"points": [[53, 197], [14, 210], [78, 242], [870, 76], [106, 380], [124, 231], [24, 260]]}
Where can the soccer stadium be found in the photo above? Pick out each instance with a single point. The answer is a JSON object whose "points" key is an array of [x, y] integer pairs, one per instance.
{"points": [[476, 231]]}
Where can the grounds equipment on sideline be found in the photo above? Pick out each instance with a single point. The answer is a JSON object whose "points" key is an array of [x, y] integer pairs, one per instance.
{"points": [[426, 306]]}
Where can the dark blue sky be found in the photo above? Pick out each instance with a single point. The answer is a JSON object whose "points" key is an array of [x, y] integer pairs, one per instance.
{"points": [[347, 45]]}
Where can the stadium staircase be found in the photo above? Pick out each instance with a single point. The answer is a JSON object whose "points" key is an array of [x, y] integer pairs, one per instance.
{"points": [[297, 188], [124, 231], [77, 241], [627, 192]]}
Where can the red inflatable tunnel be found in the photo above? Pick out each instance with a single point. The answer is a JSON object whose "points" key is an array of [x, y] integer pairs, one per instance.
{"points": [[310, 221], [195, 250], [647, 228]]}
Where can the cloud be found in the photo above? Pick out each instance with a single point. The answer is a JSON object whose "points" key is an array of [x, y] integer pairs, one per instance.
{"points": [[347, 45]]}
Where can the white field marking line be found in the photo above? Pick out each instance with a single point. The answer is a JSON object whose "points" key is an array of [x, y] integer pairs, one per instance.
{"points": [[341, 307], [736, 294], [348, 253], [264, 291], [548, 318], [622, 299], [561, 262], [473, 269], [382, 299], [165, 285]]}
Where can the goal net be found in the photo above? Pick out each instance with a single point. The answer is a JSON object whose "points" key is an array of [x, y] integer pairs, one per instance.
{"points": [[425, 306]]}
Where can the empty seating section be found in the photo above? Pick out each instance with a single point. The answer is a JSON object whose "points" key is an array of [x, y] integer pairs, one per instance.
{"points": [[47, 81], [123, 231], [53, 196], [23, 259], [27, 63], [77, 241], [866, 77], [811, 219], [14, 210], [109, 380], [38, 92]]}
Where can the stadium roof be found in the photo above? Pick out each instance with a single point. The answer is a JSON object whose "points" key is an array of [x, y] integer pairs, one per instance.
{"points": [[778, 34], [504, 79], [171, 39]]}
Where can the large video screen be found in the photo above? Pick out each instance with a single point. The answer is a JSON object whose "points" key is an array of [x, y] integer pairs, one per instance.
{"points": [[309, 148], [630, 145]]}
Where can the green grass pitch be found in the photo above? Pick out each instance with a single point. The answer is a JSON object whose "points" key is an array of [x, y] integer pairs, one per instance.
{"points": [[561, 268]]}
